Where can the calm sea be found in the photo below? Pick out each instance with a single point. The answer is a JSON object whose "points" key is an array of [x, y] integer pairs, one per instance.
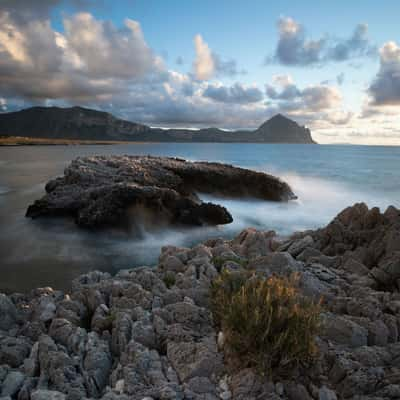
{"points": [[50, 252]]}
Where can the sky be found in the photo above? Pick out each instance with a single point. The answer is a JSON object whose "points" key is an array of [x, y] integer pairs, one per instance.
{"points": [[331, 66]]}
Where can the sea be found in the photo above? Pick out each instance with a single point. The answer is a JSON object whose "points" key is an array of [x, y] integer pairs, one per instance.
{"points": [[53, 251]]}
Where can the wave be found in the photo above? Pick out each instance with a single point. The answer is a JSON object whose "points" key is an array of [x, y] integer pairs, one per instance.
{"points": [[4, 190]]}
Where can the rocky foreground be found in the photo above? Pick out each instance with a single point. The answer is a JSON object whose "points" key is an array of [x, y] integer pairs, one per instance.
{"points": [[147, 333], [108, 191]]}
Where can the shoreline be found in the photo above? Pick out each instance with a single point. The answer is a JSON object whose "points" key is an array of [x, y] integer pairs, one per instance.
{"points": [[16, 141], [27, 141], [148, 332]]}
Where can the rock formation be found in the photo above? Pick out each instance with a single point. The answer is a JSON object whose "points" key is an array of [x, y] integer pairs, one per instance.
{"points": [[78, 123], [147, 333], [104, 191]]}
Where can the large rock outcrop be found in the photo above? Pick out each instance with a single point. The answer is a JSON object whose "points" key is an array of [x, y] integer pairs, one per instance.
{"points": [[100, 191], [147, 333]]}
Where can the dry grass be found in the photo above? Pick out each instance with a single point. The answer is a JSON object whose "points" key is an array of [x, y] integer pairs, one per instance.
{"points": [[266, 323]]}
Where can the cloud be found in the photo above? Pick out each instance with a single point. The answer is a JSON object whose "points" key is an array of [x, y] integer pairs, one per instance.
{"points": [[105, 51], [295, 49], [208, 64], [25, 10], [312, 98], [237, 93], [226, 67], [92, 58], [358, 45], [96, 64], [179, 60], [317, 106], [385, 88], [340, 79], [204, 65]]}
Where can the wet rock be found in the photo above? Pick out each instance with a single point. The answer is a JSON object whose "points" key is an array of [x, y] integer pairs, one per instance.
{"points": [[191, 359], [378, 333], [47, 395], [252, 243], [297, 391], [13, 351], [98, 191], [326, 394], [97, 364], [246, 384], [307, 253], [31, 364], [300, 245], [8, 313], [279, 263], [344, 331], [354, 266], [12, 384]]}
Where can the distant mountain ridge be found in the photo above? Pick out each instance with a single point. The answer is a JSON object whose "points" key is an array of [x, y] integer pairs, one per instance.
{"points": [[80, 123]]}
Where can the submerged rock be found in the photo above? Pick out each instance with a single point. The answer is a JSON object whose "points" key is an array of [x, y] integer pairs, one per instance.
{"points": [[105, 191]]}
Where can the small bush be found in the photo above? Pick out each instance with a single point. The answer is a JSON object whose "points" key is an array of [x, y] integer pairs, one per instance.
{"points": [[266, 323], [220, 261], [169, 279]]}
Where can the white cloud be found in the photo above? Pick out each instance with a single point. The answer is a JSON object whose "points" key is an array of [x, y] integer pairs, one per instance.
{"points": [[106, 51], [208, 64], [204, 66], [92, 58]]}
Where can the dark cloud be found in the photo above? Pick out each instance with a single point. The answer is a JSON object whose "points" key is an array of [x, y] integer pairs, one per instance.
{"points": [[340, 79], [312, 98], [294, 48], [226, 67], [179, 60], [288, 92], [25, 10], [358, 45], [234, 94], [385, 89]]}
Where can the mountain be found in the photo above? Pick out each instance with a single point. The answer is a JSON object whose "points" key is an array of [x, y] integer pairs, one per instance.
{"points": [[280, 129], [80, 123], [68, 123]]}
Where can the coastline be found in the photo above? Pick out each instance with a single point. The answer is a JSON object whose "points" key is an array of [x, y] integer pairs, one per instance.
{"points": [[149, 331], [28, 141]]}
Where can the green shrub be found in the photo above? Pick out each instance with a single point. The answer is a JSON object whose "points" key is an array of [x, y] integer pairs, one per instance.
{"points": [[266, 323], [169, 279], [220, 261]]}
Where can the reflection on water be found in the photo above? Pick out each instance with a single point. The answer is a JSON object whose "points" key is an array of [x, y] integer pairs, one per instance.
{"points": [[53, 251]]}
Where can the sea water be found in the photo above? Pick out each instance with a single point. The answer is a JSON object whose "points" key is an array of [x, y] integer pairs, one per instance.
{"points": [[51, 252]]}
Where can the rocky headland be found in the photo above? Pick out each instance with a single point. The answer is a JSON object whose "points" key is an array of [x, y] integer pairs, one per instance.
{"points": [[148, 333], [79, 123], [107, 191]]}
